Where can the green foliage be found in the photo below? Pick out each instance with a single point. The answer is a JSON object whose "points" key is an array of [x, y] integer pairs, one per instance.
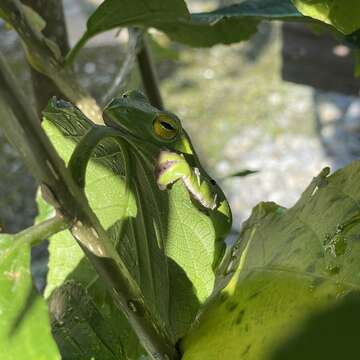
{"points": [[241, 173], [27, 336], [297, 277], [113, 13], [80, 305], [294, 263], [223, 26], [170, 253], [229, 24], [83, 330], [329, 334], [344, 15]]}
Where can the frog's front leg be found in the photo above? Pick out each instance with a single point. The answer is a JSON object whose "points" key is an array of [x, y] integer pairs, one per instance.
{"points": [[172, 167]]}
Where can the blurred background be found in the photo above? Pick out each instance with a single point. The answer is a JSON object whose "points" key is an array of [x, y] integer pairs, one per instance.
{"points": [[268, 104]]}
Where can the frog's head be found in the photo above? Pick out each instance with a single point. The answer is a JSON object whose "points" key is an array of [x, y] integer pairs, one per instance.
{"points": [[60, 107], [61, 112], [133, 114]]}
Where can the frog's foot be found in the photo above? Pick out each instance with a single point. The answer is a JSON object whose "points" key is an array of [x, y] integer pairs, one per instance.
{"points": [[172, 167]]}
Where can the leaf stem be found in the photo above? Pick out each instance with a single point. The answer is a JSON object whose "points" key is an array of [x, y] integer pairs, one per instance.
{"points": [[22, 128], [33, 235], [70, 57], [148, 76]]}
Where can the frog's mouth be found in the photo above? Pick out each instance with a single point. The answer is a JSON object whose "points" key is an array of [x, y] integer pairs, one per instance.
{"points": [[112, 124], [109, 122]]}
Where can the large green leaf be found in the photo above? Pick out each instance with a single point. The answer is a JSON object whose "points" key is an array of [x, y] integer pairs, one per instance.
{"points": [[344, 15], [167, 243], [85, 322], [229, 24], [294, 263], [223, 26], [114, 13], [330, 334], [82, 331], [28, 336]]}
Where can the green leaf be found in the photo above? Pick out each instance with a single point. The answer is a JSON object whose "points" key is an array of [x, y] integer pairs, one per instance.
{"points": [[330, 334], [223, 26], [77, 324], [28, 337], [229, 24], [84, 320], [293, 264], [241, 173], [167, 243], [344, 15], [114, 13], [77, 320], [201, 31]]}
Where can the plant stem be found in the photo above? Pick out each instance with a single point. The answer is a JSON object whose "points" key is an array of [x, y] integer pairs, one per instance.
{"points": [[120, 80], [39, 232], [22, 128], [71, 55], [148, 76], [52, 12], [42, 55]]}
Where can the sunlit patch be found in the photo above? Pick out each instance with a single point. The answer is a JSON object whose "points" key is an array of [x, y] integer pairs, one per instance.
{"points": [[13, 275]]}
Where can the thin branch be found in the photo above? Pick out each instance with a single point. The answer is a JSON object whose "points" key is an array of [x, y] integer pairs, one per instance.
{"points": [[134, 46], [45, 56], [22, 128], [39, 232], [148, 76]]}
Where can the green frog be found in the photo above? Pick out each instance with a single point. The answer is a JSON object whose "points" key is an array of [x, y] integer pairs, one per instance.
{"points": [[157, 139], [133, 116]]}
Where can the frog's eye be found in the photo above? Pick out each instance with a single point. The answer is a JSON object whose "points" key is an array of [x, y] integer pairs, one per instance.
{"points": [[165, 127]]}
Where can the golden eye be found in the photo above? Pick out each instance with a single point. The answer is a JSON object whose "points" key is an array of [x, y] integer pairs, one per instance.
{"points": [[165, 127]]}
